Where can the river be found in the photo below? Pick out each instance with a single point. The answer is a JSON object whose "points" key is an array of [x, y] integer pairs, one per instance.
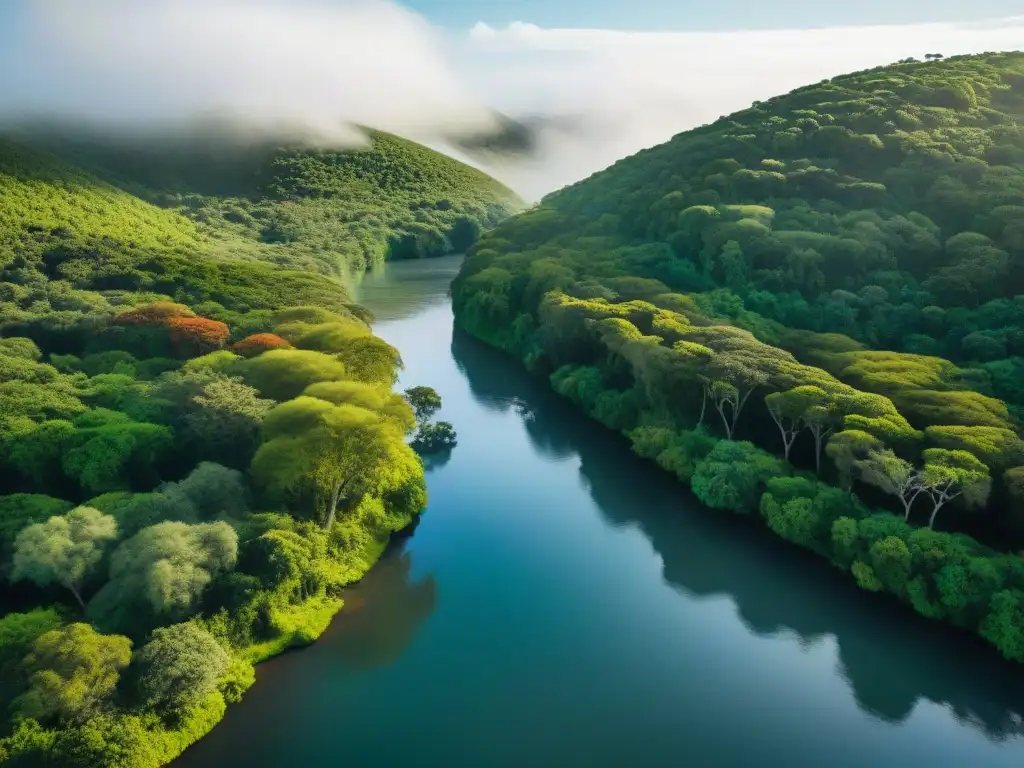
{"points": [[562, 603]]}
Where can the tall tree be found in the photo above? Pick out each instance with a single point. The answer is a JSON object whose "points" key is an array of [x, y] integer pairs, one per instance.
{"points": [[161, 572], [425, 402], [948, 475], [336, 453], [63, 550], [797, 409], [897, 477], [848, 449]]}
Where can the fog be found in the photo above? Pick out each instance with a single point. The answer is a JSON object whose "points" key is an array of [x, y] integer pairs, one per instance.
{"points": [[591, 96]]}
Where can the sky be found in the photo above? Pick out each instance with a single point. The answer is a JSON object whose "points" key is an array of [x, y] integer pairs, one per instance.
{"points": [[603, 78], [704, 15]]}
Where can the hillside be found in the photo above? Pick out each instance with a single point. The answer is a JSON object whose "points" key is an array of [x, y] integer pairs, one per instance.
{"points": [[836, 275], [199, 448], [295, 202]]}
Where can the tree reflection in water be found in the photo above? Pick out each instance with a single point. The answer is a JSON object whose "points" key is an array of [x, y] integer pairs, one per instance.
{"points": [[383, 613], [890, 658]]}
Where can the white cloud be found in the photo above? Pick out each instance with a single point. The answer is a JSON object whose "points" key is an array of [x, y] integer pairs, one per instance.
{"points": [[363, 61], [316, 64]]}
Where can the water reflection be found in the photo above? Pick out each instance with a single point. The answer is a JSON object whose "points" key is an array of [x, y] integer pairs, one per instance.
{"points": [[890, 659], [383, 613], [434, 461], [422, 283]]}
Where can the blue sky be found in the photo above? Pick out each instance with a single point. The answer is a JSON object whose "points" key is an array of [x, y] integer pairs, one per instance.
{"points": [[707, 14]]}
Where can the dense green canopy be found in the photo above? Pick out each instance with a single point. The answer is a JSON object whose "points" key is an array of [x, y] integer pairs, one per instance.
{"points": [[146, 358], [835, 276]]}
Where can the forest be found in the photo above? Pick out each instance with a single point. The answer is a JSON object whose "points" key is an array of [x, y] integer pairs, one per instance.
{"points": [[298, 203], [812, 313], [198, 453]]}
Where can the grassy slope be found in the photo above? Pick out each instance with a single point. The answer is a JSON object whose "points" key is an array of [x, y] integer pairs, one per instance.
{"points": [[71, 244], [312, 208]]}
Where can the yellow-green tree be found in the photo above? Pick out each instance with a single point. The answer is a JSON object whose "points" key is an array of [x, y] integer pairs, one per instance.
{"points": [[335, 454]]}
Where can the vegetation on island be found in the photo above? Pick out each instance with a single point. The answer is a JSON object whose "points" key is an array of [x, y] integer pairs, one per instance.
{"points": [[431, 437], [198, 453], [812, 312]]}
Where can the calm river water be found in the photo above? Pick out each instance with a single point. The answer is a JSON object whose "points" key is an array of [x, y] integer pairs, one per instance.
{"points": [[562, 603]]}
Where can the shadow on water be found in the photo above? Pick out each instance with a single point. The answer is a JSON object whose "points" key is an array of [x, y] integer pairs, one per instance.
{"points": [[890, 658], [383, 613]]}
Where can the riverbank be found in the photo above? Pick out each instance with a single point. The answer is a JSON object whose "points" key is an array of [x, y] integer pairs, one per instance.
{"points": [[302, 625], [947, 577], [561, 586]]}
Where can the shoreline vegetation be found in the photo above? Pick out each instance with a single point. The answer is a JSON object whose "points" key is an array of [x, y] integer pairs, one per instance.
{"points": [[201, 447], [810, 312]]}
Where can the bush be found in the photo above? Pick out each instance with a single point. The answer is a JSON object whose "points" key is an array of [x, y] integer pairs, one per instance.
{"points": [[733, 475]]}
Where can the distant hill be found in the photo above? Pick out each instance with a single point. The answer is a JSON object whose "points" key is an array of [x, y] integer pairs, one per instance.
{"points": [[300, 204]]}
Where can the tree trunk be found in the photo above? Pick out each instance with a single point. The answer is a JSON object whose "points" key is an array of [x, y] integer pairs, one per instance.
{"points": [[332, 507], [703, 407], [931, 520], [720, 407], [78, 597], [817, 451]]}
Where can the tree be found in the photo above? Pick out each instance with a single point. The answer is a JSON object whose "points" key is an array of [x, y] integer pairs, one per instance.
{"points": [[74, 670], [223, 421], [18, 634], [63, 550], [162, 571], [37, 453], [371, 359], [282, 374], [434, 438], [732, 475], [195, 336], [897, 477], [847, 449], [819, 420], [373, 397], [178, 667], [258, 343], [212, 490], [425, 402], [733, 375], [797, 409], [948, 475], [430, 438], [110, 451], [337, 454]]}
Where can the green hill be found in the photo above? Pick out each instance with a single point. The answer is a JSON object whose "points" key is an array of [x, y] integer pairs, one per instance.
{"points": [[297, 203], [837, 275], [73, 249], [200, 443]]}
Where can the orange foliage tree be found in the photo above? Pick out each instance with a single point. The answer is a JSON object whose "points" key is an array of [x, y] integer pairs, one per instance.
{"points": [[170, 326], [258, 343], [193, 336]]}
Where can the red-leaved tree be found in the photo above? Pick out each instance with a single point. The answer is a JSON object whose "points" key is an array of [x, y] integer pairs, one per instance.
{"points": [[194, 336], [259, 343]]}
